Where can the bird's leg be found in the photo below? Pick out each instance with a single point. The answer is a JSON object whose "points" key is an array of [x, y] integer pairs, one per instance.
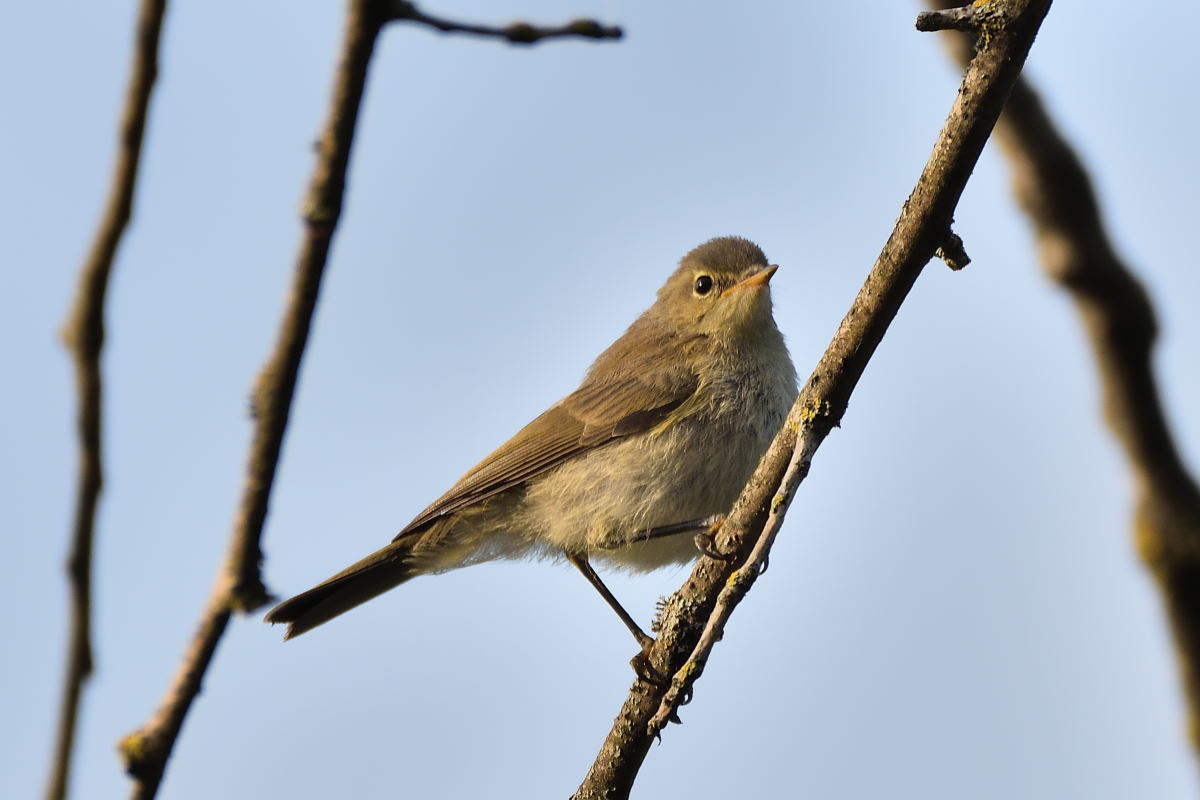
{"points": [[705, 529], [671, 530], [581, 563], [641, 661]]}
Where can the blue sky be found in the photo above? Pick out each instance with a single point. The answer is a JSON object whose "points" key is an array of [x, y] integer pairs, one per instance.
{"points": [[954, 606]]}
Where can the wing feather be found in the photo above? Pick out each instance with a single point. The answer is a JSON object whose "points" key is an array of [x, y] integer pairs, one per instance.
{"points": [[638, 391]]}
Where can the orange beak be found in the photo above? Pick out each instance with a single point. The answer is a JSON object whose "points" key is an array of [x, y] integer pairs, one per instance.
{"points": [[760, 278]]}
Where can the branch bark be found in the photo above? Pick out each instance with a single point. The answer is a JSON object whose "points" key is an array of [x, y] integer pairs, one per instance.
{"points": [[693, 618], [239, 585], [1054, 189], [83, 335]]}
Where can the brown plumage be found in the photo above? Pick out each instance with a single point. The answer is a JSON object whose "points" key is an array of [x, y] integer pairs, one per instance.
{"points": [[621, 454]]}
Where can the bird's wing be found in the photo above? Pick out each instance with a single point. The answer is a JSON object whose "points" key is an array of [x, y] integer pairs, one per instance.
{"points": [[638, 392]]}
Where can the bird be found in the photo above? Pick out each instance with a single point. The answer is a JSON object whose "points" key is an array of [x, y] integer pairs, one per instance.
{"points": [[657, 442]]}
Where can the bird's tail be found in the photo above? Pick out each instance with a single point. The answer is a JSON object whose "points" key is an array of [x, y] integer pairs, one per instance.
{"points": [[356, 584]]}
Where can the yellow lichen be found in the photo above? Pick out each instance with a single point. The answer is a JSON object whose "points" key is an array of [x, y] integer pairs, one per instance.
{"points": [[739, 578], [811, 410], [133, 747]]}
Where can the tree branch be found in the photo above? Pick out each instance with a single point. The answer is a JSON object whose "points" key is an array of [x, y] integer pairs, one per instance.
{"points": [[1053, 188], [83, 335], [693, 618], [514, 33], [963, 18], [239, 584]]}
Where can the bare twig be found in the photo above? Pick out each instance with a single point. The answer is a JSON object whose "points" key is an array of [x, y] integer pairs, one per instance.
{"points": [[514, 33], [963, 18], [239, 584], [83, 334], [1054, 189], [713, 588]]}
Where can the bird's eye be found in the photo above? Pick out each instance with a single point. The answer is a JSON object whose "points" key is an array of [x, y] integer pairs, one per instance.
{"points": [[704, 285]]}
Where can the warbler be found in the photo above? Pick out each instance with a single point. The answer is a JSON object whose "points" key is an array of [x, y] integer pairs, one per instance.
{"points": [[656, 443]]}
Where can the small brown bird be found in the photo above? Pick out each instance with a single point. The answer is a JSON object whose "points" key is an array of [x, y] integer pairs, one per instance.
{"points": [[656, 443]]}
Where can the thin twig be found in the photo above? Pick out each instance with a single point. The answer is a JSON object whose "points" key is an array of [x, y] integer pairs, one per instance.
{"points": [[812, 405], [239, 584], [736, 587], [1053, 188], [962, 18], [83, 335], [514, 33], [919, 231]]}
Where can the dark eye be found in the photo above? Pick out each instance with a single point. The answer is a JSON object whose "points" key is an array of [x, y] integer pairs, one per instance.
{"points": [[704, 285]]}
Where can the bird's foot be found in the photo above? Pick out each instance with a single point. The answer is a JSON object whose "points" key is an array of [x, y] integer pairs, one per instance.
{"points": [[706, 540], [644, 669]]}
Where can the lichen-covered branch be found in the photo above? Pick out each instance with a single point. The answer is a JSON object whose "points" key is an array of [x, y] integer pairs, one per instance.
{"points": [[714, 586], [1053, 188], [514, 33], [83, 334]]}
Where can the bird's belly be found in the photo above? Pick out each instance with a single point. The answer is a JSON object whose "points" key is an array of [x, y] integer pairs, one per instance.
{"points": [[597, 503]]}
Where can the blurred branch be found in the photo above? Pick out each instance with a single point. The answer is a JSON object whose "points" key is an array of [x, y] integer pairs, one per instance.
{"points": [[693, 619], [962, 18], [1054, 190], [514, 33], [239, 585], [83, 335]]}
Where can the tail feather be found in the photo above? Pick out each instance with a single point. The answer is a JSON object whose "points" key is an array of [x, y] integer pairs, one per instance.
{"points": [[356, 584]]}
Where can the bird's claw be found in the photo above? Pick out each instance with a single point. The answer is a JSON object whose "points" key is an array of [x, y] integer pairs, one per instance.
{"points": [[644, 669], [706, 543]]}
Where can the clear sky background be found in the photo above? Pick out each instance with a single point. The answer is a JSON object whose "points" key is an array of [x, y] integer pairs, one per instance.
{"points": [[954, 608]]}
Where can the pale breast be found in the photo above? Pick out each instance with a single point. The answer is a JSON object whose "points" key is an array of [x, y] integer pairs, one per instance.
{"points": [[690, 469]]}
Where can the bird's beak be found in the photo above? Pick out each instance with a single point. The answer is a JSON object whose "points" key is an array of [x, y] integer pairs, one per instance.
{"points": [[760, 278]]}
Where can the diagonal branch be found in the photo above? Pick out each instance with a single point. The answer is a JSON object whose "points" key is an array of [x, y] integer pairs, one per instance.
{"points": [[513, 33], [1054, 190], [693, 618], [83, 335], [239, 585]]}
